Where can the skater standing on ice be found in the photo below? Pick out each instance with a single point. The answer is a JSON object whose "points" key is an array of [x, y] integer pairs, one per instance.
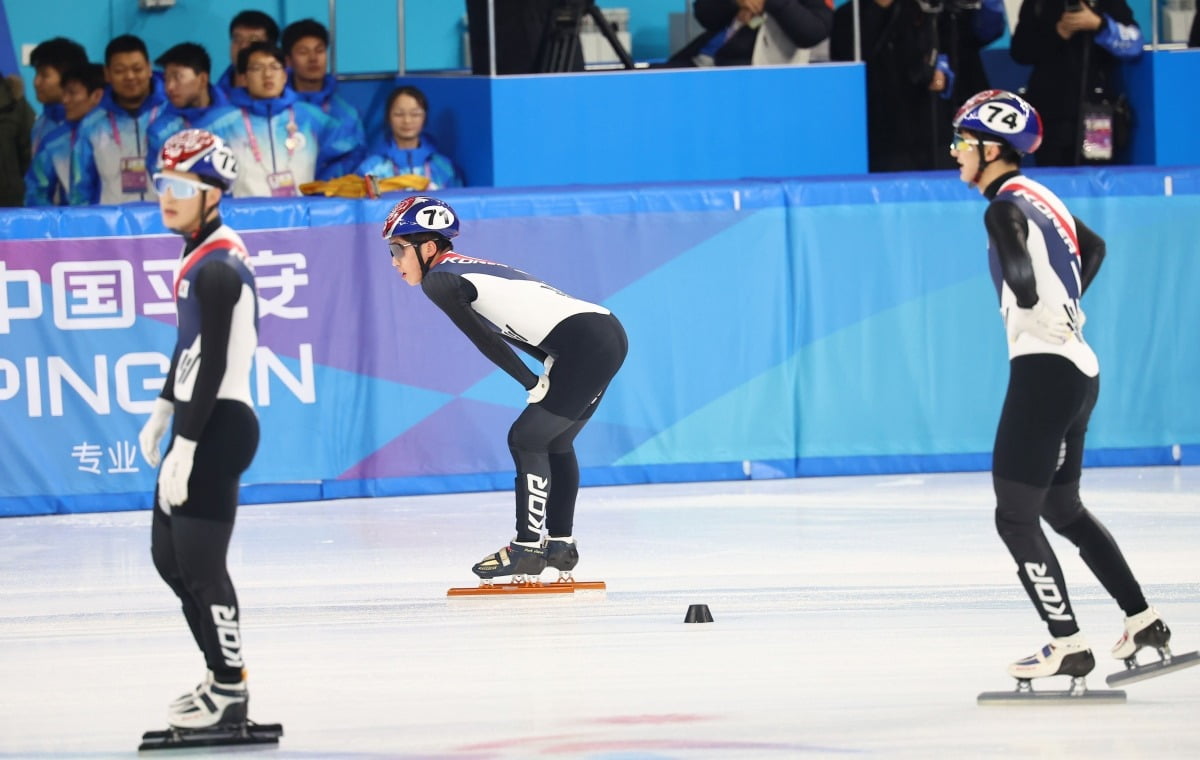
{"points": [[580, 344], [215, 431], [1042, 261]]}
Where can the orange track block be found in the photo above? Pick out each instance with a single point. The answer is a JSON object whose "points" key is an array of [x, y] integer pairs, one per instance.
{"points": [[521, 589]]}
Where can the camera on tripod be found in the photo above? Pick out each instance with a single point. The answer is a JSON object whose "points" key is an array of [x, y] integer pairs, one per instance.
{"points": [[561, 50]]}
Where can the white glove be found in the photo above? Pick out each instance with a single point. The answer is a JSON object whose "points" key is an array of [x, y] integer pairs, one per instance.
{"points": [[546, 365], [538, 391], [154, 429], [173, 477], [1040, 322]]}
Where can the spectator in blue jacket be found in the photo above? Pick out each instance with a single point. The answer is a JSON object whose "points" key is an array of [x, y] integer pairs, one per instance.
{"points": [[406, 148], [246, 28], [51, 59], [306, 49], [280, 141], [192, 100], [112, 150], [55, 168]]}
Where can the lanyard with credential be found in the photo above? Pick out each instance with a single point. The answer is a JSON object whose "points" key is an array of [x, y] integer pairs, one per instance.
{"points": [[116, 133], [288, 143]]}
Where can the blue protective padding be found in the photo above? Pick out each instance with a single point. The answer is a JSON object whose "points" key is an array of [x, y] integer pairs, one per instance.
{"points": [[777, 328]]}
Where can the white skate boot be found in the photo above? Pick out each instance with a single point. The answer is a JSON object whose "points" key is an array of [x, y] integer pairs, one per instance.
{"points": [[1147, 629], [187, 697], [1063, 656], [217, 704], [1066, 656]]}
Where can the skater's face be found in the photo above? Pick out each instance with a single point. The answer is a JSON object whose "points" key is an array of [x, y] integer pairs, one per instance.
{"points": [[965, 148], [405, 258], [184, 200]]}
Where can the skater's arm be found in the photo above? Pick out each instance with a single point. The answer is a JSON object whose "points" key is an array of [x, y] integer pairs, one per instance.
{"points": [[217, 289], [453, 295], [1008, 230], [1092, 249]]}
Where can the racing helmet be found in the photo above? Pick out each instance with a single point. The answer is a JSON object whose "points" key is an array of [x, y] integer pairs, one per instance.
{"points": [[202, 153], [1002, 114], [420, 213]]}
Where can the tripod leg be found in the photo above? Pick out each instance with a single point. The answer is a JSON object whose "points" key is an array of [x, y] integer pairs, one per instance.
{"points": [[610, 34]]}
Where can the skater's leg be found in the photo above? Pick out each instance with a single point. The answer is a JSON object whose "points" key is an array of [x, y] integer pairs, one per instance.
{"points": [[1064, 511], [201, 530], [564, 472], [1037, 566], [201, 547], [529, 441], [1045, 394], [1099, 551], [162, 550]]}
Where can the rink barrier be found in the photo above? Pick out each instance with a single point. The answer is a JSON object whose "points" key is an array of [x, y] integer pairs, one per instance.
{"points": [[827, 326]]}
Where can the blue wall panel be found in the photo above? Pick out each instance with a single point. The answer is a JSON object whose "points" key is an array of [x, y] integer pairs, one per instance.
{"points": [[824, 326]]}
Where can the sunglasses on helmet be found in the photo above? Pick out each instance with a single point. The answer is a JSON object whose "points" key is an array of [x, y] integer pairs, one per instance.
{"points": [[181, 188]]}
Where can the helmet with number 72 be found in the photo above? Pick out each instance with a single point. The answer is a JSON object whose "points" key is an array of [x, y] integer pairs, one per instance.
{"points": [[420, 213], [1002, 114], [202, 153]]}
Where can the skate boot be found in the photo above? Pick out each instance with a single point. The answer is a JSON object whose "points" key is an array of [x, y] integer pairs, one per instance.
{"points": [[562, 554], [217, 704], [524, 562], [187, 697], [1065, 656], [1147, 629]]}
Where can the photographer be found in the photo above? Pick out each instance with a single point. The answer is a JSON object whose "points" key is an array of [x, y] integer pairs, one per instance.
{"points": [[922, 61], [1074, 47]]}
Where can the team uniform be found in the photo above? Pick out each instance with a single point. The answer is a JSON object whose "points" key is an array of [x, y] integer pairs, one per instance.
{"points": [[583, 344], [1039, 253], [111, 151], [1042, 260], [209, 387]]}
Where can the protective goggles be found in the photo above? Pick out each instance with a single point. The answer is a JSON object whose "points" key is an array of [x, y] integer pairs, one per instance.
{"points": [[397, 248], [960, 142], [181, 187]]}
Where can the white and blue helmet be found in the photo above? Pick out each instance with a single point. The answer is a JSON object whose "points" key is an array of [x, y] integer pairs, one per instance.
{"points": [[1004, 115]]}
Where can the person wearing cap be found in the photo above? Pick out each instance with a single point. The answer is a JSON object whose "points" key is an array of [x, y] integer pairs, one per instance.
{"points": [[214, 432]]}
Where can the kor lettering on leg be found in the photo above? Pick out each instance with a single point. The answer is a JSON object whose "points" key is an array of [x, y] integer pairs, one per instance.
{"points": [[225, 619], [1047, 592], [538, 489]]}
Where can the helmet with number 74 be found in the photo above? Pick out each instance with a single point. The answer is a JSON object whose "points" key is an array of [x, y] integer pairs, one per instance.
{"points": [[1002, 114]]}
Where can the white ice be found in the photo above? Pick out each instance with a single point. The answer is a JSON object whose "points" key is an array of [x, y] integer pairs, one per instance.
{"points": [[854, 617]]}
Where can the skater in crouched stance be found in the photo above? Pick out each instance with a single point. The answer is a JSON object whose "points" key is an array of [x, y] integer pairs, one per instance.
{"points": [[580, 344], [215, 431], [1042, 261]]}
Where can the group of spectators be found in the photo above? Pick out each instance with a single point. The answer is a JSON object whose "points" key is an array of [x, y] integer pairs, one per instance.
{"points": [[102, 126], [277, 107], [923, 61]]}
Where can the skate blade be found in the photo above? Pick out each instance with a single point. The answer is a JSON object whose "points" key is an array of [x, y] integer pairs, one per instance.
{"points": [[1089, 697], [521, 589], [1153, 670], [216, 736]]}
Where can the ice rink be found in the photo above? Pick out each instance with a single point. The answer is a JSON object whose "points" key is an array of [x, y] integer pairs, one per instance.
{"points": [[854, 617]]}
